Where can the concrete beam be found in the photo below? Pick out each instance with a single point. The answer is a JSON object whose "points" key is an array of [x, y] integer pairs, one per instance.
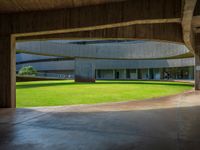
{"points": [[188, 11], [7, 72], [144, 50]]}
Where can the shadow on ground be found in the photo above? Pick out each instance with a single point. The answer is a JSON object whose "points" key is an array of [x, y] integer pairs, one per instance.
{"points": [[164, 124]]}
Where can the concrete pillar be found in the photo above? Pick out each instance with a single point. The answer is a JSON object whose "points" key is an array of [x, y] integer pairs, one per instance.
{"points": [[7, 72], [136, 74], [113, 74], [125, 74], [197, 70], [191, 73], [148, 74], [161, 73], [84, 70]]}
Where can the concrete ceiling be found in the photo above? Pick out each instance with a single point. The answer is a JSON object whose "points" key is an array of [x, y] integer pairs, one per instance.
{"points": [[197, 8], [8, 6]]}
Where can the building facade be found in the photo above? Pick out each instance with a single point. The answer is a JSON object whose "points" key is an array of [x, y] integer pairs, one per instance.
{"points": [[60, 67]]}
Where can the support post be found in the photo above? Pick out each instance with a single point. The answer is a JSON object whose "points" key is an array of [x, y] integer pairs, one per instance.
{"points": [[197, 70], [7, 72], [84, 70]]}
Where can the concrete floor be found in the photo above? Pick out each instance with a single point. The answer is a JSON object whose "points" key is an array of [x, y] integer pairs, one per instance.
{"points": [[171, 123]]}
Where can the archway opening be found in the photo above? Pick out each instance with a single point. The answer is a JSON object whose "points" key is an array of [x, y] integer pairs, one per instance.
{"points": [[99, 71]]}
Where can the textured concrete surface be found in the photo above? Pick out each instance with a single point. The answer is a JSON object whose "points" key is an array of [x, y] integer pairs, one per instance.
{"points": [[120, 50], [84, 70], [170, 123], [109, 64]]}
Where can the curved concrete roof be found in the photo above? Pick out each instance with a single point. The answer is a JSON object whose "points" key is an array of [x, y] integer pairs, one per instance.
{"points": [[141, 50], [29, 57]]}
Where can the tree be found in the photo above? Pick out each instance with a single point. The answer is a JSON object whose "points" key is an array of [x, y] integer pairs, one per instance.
{"points": [[28, 70]]}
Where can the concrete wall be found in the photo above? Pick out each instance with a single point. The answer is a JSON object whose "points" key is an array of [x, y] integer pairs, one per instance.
{"points": [[112, 64]]}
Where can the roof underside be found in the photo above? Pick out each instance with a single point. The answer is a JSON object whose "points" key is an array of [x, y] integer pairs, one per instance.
{"points": [[8, 6], [197, 9]]}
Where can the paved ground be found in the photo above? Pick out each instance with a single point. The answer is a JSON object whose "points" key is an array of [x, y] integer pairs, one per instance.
{"points": [[171, 123]]}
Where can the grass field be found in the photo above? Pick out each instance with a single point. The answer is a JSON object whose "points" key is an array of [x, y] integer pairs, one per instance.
{"points": [[56, 93]]}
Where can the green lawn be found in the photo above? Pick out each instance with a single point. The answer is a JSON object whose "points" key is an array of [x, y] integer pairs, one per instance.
{"points": [[55, 93]]}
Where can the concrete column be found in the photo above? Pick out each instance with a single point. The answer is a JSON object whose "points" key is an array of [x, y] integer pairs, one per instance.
{"points": [[7, 72], [197, 70], [191, 73], [148, 74], [136, 74], [124, 74], [84, 70], [113, 74]]}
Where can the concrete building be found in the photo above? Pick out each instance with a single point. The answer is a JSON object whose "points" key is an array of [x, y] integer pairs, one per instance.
{"points": [[115, 69], [89, 60], [97, 59]]}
